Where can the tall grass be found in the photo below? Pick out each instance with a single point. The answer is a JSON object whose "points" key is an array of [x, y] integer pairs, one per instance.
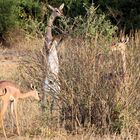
{"points": [[93, 96]]}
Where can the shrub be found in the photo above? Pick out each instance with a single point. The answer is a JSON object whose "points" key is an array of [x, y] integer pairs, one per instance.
{"points": [[92, 95], [92, 89], [31, 15], [93, 26], [8, 14], [79, 82]]}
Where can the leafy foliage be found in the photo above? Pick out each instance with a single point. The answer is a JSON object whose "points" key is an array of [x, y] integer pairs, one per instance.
{"points": [[93, 24], [124, 13], [8, 14], [97, 23], [32, 14]]}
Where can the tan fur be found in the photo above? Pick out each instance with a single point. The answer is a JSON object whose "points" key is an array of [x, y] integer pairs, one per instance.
{"points": [[122, 48], [12, 94], [50, 48]]}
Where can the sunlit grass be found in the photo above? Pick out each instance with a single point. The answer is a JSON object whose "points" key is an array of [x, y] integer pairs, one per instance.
{"points": [[84, 83]]}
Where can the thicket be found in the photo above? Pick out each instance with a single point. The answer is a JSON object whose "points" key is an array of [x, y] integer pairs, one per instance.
{"points": [[8, 14], [31, 15], [93, 97], [123, 13]]}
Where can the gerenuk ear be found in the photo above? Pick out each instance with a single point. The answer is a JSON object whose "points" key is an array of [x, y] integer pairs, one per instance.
{"points": [[124, 40], [32, 87], [61, 6], [4, 91], [50, 7], [127, 39]]}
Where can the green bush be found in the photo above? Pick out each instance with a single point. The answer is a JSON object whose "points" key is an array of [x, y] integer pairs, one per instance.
{"points": [[32, 16], [97, 23], [123, 13], [94, 25], [8, 14], [29, 8]]}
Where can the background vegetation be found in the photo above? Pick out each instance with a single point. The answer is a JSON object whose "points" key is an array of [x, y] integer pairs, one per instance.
{"points": [[94, 103], [31, 15]]}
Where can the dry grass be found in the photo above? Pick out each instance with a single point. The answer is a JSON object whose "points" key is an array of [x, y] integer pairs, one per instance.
{"points": [[28, 109], [7, 70], [21, 41], [95, 105]]}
